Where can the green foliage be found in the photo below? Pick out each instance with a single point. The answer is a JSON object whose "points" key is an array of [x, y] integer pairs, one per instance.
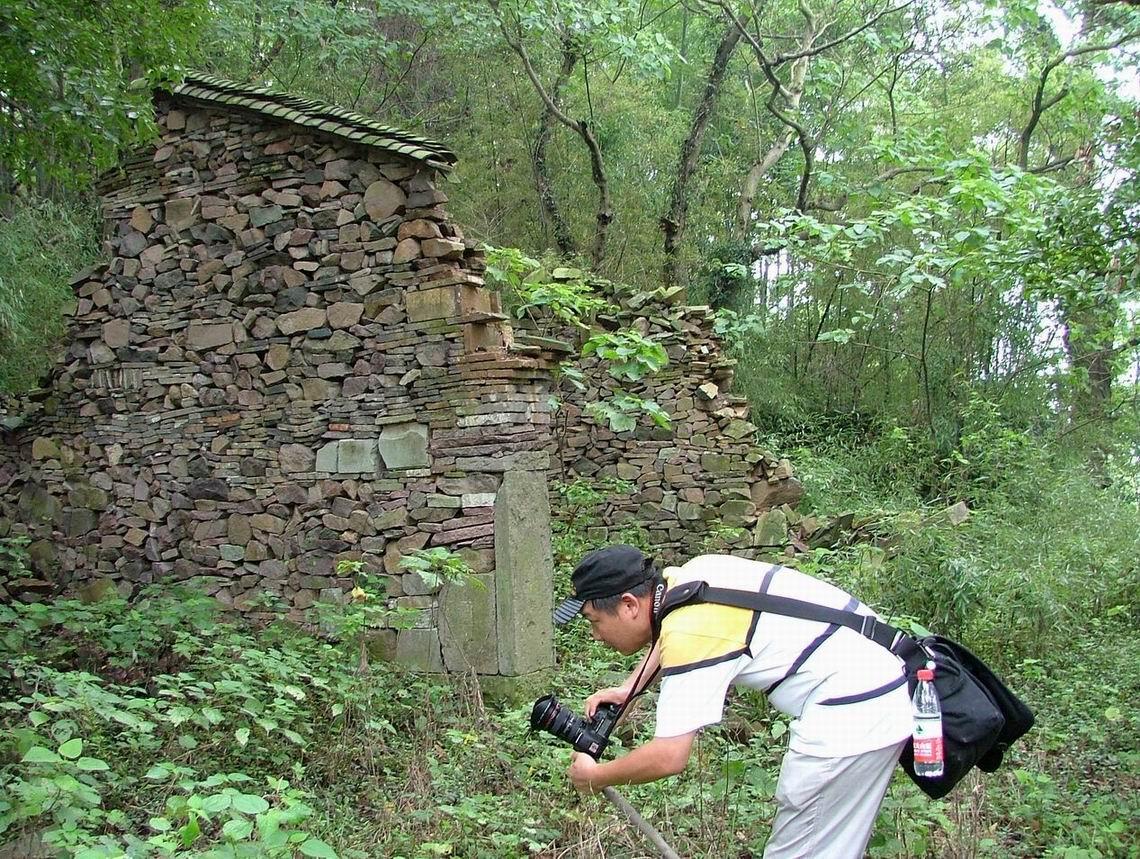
{"points": [[629, 356], [42, 246], [559, 296], [104, 701], [65, 74], [14, 562], [438, 566]]}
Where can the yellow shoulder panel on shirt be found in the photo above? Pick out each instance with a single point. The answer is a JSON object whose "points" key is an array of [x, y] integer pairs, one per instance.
{"points": [[701, 634]]}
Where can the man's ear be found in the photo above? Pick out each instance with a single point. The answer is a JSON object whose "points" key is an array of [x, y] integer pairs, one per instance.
{"points": [[631, 602]]}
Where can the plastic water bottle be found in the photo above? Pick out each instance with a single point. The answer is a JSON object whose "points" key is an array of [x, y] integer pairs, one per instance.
{"points": [[927, 726]]}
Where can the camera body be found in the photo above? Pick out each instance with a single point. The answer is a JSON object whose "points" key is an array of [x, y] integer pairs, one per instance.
{"points": [[585, 735]]}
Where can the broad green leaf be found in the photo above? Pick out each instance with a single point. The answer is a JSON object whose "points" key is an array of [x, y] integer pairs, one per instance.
{"points": [[190, 832], [318, 849], [238, 830], [242, 736], [214, 803], [158, 772], [91, 764], [40, 755], [72, 749], [249, 803]]}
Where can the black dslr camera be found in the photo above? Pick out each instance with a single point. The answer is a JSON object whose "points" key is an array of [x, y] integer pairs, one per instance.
{"points": [[589, 736]]}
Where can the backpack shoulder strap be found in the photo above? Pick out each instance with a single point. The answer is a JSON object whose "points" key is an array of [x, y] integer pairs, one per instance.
{"points": [[692, 593]]}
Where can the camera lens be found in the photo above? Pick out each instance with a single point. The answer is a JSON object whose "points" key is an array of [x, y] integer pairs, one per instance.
{"points": [[549, 715]]}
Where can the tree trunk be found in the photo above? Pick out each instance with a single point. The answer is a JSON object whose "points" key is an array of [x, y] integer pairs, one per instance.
{"points": [[544, 184], [1088, 337], [673, 223], [759, 170]]}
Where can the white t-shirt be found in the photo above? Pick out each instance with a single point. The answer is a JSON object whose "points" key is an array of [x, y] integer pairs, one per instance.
{"points": [[846, 694]]}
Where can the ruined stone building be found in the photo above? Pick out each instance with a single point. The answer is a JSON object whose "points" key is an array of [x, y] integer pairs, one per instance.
{"points": [[290, 361]]}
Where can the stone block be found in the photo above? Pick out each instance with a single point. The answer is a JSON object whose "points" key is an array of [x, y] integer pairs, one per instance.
{"points": [[769, 495], [179, 213], [277, 358], [231, 552], [418, 229], [425, 304], [382, 198], [76, 523], [689, 512], [141, 219], [477, 499], [419, 650], [327, 457], [716, 463], [263, 215], [381, 644], [357, 456], [524, 588], [443, 248], [404, 446], [391, 519], [344, 314], [202, 336], [406, 251], [771, 530], [294, 458], [739, 429], [737, 512], [482, 483], [91, 497], [44, 448], [467, 617], [97, 590], [117, 333], [305, 319]]}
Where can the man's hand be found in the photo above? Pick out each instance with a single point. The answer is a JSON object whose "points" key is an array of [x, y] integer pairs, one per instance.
{"points": [[613, 695], [583, 769]]}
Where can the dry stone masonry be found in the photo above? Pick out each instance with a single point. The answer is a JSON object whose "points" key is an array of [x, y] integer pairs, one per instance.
{"points": [[290, 361], [701, 485]]}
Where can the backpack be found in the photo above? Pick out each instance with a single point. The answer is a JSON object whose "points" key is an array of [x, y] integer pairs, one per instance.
{"points": [[981, 717]]}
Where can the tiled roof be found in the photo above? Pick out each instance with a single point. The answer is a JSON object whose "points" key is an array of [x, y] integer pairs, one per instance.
{"points": [[319, 117]]}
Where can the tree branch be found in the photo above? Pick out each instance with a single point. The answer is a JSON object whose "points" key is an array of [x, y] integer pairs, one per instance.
{"points": [[604, 215], [1041, 104], [780, 59]]}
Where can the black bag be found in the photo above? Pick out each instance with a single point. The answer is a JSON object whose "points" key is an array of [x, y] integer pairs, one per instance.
{"points": [[981, 717]]}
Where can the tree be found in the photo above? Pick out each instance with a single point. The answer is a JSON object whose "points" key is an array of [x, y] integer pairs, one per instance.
{"points": [[67, 106]]}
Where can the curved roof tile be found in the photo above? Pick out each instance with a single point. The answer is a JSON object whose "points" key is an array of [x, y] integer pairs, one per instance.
{"points": [[324, 118]]}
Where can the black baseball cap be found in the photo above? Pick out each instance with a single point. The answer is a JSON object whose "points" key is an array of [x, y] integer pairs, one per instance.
{"points": [[604, 573]]}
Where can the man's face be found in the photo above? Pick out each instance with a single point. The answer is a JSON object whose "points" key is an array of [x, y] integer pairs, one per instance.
{"points": [[622, 629]]}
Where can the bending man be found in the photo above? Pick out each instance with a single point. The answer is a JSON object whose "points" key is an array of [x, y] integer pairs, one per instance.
{"points": [[847, 695]]}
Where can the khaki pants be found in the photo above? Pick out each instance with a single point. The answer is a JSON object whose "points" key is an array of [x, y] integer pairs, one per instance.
{"points": [[827, 806]]}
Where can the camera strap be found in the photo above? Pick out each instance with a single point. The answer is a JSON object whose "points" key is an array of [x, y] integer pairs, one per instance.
{"points": [[638, 688]]}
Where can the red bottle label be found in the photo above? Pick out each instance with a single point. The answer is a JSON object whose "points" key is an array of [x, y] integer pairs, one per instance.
{"points": [[927, 750]]}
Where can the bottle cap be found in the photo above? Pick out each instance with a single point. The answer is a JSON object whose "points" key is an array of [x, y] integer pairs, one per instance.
{"points": [[925, 674]]}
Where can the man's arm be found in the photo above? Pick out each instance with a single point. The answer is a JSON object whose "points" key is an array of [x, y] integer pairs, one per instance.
{"points": [[660, 757]]}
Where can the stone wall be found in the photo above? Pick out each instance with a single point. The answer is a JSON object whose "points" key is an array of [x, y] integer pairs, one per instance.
{"points": [[290, 361], [702, 484]]}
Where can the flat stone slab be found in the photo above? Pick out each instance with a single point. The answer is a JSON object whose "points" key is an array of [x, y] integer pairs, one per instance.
{"points": [[404, 446]]}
